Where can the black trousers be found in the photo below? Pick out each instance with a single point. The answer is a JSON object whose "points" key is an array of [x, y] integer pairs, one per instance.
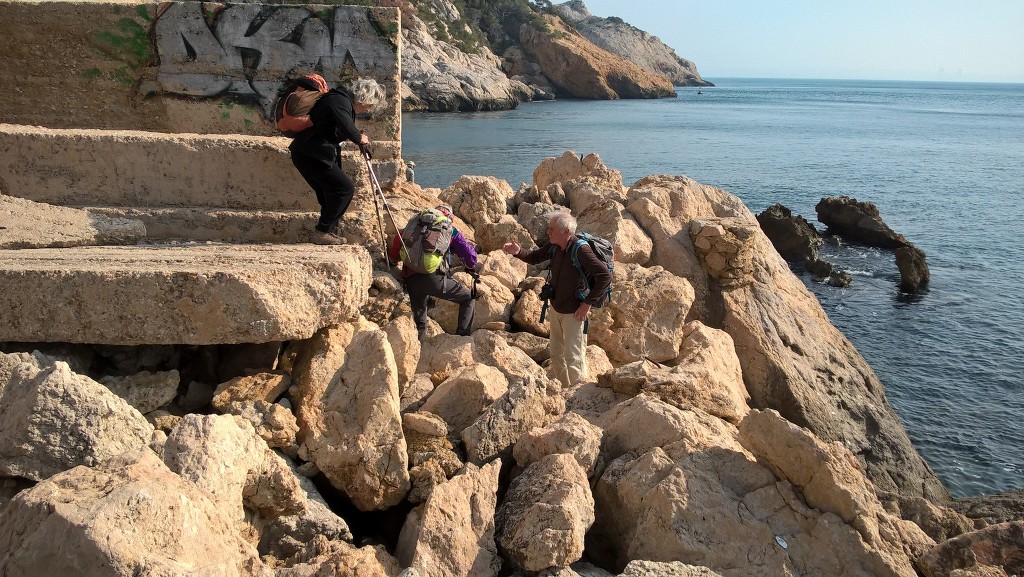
{"points": [[422, 286], [334, 189]]}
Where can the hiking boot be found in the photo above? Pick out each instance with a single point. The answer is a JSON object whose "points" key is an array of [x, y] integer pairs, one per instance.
{"points": [[321, 237]]}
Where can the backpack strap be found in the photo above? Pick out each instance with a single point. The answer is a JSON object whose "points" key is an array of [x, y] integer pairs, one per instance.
{"points": [[573, 250]]}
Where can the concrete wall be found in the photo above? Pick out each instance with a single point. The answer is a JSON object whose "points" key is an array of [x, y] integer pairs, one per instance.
{"points": [[189, 67]]}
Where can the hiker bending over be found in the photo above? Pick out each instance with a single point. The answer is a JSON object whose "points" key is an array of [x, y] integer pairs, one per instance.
{"points": [[429, 238], [568, 341], [315, 150]]}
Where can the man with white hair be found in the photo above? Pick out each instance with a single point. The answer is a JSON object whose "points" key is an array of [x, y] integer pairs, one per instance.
{"points": [[315, 151], [570, 300]]}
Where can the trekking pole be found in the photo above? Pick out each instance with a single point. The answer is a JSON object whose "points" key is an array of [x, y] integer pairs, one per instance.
{"points": [[378, 191]]}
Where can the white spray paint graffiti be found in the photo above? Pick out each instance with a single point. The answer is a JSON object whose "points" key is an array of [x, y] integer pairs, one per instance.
{"points": [[252, 49]]}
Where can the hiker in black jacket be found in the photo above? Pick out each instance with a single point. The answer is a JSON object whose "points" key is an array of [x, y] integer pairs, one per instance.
{"points": [[315, 151]]}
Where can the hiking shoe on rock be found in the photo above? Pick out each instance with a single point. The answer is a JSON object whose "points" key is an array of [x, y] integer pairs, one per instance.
{"points": [[320, 237]]}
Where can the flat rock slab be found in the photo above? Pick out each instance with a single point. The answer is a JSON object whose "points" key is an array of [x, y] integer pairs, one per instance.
{"points": [[188, 294], [27, 224]]}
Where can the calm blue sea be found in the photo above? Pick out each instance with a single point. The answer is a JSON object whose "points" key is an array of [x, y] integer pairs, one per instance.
{"points": [[944, 163]]}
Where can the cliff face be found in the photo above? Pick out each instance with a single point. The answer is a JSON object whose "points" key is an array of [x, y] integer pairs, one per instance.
{"points": [[580, 69], [631, 43], [449, 63]]}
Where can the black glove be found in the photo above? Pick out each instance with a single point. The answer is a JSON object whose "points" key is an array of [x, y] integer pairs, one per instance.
{"points": [[365, 149]]}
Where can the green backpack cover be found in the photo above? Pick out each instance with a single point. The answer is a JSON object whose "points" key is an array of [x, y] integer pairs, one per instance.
{"points": [[426, 238]]}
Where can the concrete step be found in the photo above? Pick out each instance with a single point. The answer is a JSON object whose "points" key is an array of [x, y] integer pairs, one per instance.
{"points": [[189, 293]]}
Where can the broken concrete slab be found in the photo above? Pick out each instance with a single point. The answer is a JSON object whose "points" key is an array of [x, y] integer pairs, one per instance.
{"points": [[186, 294], [27, 224]]}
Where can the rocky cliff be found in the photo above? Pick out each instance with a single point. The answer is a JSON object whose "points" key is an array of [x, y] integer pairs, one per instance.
{"points": [[450, 62], [631, 43]]}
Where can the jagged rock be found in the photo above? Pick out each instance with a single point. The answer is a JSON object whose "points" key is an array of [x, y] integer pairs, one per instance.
{"points": [[129, 516], [479, 199], [492, 236], [416, 392], [939, 523], [452, 533], [641, 568], [996, 550], [572, 167], [464, 396], [346, 400], [287, 536], [571, 434], [405, 345], [707, 376], [692, 493], [530, 402], [914, 272], [535, 217], [432, 460], [796, 239], [265, 387], [724, 248], [631, 43], [145, 391], [28, 224], [341, 559], [610, 220], [645, 316], [598, 363], [547, 511], [578, 68], [991, 509], [858, 222], [536, 347], [438, 76], [441, 356], [491, 348], [527, 310], [273, 423], [258, 479], [52, 419], [590, 401], [199, 294], [508, 270]]}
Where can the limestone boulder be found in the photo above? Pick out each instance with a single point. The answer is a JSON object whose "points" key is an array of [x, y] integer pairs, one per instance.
{"points": [[645, 317], [857, 221], [492, 348], [536, 216], [509, 270], [640, 568], [258, 479], [571, 166], [340, 559], [796, 239], [186, 294], [28, 224], [129, 516], [416, 392], [52, 419], [528, 307], [479, 200], [452, 533], [609, 219], [145, 391], [347, 404], [914, 272], [802, 366], [546, 513], [274, 423], [596, 187], [991, 509], [536, 347], [994, 550], [289, 536], [464, 396], [432, 460], [266, 387], [405, 346], [492, 236], [443, 355], [571, 434], [664, 206], [707, 375], [591, 401], [530, 402]]}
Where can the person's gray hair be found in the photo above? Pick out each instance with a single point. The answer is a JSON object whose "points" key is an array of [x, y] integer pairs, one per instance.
{"points": [[565, 220], [367, 91]]}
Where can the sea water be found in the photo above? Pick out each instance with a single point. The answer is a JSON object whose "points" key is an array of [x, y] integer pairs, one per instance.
{"points": [[943, 162]]}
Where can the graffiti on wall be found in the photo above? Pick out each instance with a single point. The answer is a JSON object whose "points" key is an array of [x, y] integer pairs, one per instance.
{"points": [[249, 51]]}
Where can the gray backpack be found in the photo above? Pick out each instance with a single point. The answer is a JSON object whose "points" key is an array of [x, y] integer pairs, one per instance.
{"points": [[427, 237]]}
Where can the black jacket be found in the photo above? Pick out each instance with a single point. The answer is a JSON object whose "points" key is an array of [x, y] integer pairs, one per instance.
{"points": [[334, 121]]}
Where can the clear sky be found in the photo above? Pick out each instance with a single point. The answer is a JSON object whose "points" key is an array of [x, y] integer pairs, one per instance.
{"points": [[956, 40]]}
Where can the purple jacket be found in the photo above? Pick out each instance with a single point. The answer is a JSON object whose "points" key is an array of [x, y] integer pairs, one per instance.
{"points": [[459, 246]]}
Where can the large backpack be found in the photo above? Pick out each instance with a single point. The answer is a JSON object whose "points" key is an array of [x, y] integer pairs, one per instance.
{"points": [[604, 251], [426, 238], [289, 124]]}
